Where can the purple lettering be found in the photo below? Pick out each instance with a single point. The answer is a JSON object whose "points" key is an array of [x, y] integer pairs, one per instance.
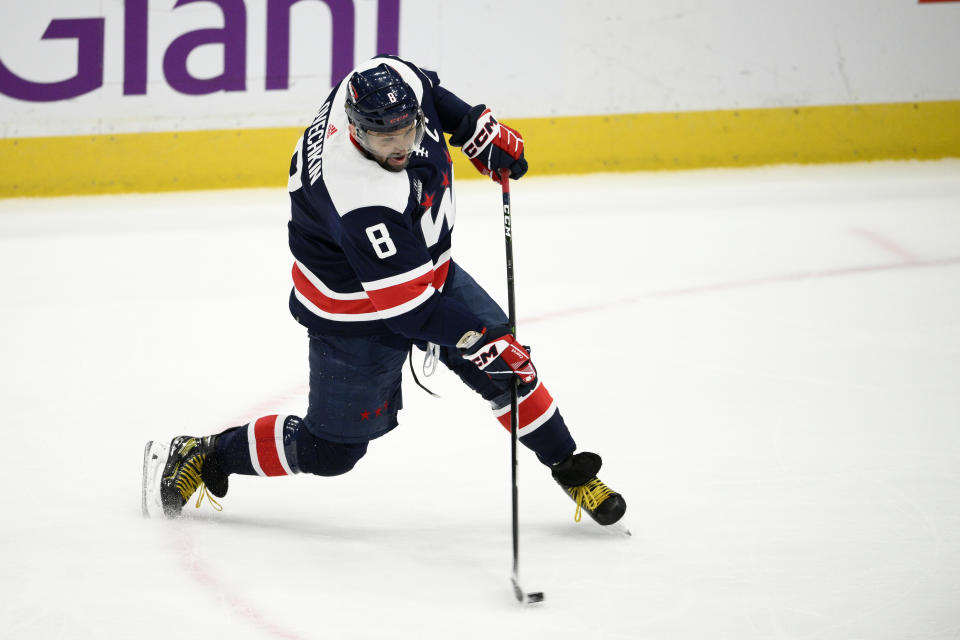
{"points": [[388, 27], [89, 76], [134, 47], [89, 33], [278, 41], [233, 37]]}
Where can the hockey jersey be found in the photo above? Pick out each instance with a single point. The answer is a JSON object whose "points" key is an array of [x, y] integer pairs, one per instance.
{"points": [[371, 247]]}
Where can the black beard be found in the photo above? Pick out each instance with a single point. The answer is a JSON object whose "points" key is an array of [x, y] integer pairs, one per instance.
{"points": [[383, 163], [389, 167]]}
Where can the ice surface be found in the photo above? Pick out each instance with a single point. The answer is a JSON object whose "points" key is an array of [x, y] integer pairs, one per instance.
{"points": [[767, 359]]}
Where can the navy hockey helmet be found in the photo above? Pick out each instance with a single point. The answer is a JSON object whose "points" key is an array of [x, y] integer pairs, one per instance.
{"points": [[379, 100]]}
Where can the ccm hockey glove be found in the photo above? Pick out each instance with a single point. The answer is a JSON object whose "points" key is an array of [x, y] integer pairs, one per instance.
{"points": [[491, 146], [497, 353]]}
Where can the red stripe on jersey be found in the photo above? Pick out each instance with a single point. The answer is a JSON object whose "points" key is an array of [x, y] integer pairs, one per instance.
{"points": [[531, 407], [398, 294], [440, 275], [267, 454], [326, 303]]}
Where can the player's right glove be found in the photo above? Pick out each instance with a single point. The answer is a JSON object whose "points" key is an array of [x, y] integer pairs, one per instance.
{"points": [[490, 145], [497, 353]]}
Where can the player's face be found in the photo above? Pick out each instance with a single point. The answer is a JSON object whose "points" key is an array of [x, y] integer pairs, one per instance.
{"points": [[392, 150]]}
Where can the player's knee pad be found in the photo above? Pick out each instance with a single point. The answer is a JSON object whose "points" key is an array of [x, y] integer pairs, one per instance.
{"points": [[326, 458]]}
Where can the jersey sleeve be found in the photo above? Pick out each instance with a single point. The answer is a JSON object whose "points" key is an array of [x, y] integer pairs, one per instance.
{"points": [[450, 108], [401, 279]]}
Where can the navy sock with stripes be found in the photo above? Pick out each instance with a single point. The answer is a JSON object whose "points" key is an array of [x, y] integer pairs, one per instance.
{"points": [[280, 445], [266, 446]]}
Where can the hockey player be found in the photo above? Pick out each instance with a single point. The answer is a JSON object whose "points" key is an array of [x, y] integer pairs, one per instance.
{"points": [[373, 210]]}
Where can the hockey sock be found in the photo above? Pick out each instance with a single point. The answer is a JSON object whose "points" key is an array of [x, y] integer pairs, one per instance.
{"points": [[266, 446], [541, 427], [282, 445]]}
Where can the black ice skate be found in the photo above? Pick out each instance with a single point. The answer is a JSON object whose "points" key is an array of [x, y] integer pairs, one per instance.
{"points": [[191, 466], [577, 474]]}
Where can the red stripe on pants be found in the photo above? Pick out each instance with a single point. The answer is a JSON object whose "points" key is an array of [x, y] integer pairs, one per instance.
{"points": [[531, 407], [440, 275], [267, 454]]}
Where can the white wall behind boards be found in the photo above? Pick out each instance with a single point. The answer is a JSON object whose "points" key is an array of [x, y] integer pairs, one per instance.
{"points": [[622, 56]]}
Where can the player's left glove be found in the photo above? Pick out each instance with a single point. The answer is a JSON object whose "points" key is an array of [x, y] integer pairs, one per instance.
{"points": [[490, 145], [497, 353]]}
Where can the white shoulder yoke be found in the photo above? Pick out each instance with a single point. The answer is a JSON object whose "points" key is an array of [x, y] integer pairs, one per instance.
{"points": [[353, 180]]}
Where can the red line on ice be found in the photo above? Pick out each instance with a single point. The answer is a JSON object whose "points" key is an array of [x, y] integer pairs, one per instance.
{"points": [[888, 244], [738, 284], [182, 543]]}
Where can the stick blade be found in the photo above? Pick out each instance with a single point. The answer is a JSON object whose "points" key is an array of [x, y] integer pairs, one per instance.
{"points": [[524, 597]]}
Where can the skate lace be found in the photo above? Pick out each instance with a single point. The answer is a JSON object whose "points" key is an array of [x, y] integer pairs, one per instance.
{"points": [[190, 481], [589, 495]]}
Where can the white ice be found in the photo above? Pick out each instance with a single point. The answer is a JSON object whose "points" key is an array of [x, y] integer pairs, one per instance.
{"points": [[768, 361]]}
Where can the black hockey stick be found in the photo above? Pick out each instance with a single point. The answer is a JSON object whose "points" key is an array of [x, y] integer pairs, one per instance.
{"points": [[528, 598]]}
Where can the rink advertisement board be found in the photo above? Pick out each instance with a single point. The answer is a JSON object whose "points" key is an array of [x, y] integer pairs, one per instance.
{"points": [[130, 66], [128, 95]]}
